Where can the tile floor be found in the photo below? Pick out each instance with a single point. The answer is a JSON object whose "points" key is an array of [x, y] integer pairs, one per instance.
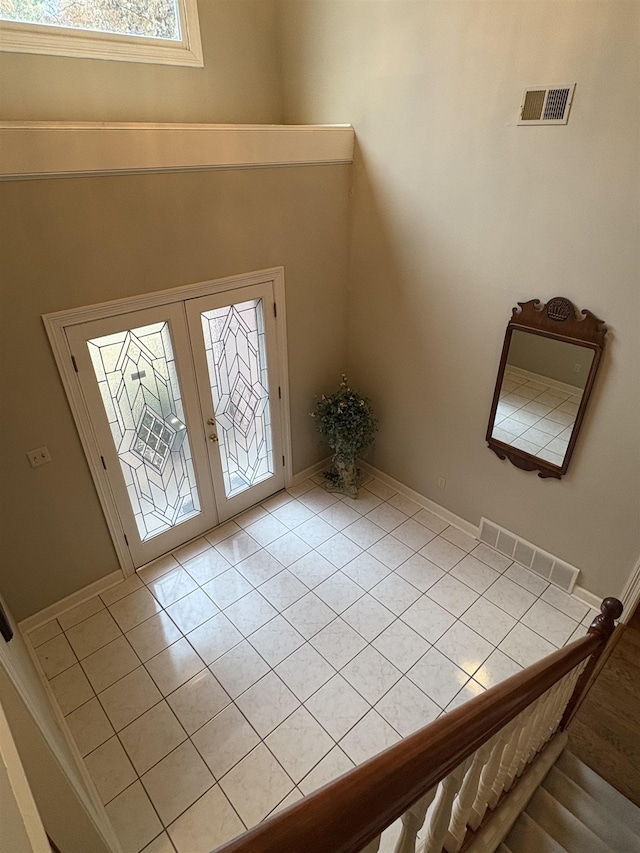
{"points": [[256, 664], [535, 417]]}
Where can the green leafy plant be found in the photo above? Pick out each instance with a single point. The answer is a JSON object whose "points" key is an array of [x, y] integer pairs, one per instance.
{"points": [[347, 423]]}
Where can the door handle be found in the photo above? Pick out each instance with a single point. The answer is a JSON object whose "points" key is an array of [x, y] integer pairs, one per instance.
{"points": [[213, 437]]}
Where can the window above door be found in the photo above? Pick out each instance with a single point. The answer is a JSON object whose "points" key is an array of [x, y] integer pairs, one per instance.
{"points": [[153, 31]]}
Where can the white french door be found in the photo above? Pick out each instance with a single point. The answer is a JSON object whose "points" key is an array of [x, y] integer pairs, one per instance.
{"points": [[184, 403]]}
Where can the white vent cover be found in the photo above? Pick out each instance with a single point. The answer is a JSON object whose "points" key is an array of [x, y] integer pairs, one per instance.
{"points": [[546, 104], [546, 565]]}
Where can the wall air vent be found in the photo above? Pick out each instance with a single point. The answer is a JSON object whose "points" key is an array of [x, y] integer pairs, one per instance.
{"points": [[546, 104]]}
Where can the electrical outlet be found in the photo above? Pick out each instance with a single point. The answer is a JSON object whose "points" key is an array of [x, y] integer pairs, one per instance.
{"points": [[441, 482], [39, 456]]}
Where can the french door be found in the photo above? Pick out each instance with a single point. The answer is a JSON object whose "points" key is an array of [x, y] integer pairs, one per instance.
{"points": [[184, 402]]}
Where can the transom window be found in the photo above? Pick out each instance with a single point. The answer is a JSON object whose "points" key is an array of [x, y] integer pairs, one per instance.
{"points": [[160, 31]]}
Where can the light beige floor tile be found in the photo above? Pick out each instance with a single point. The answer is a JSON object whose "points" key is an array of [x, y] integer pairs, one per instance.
{"points": [[338, 643], [110, 769], [134, 819], [496, 668], [365, 570], [89, 726], [152, 736], [337, 706], [395, 593], [239, 668], [176, 782], [276, 640], [192, 611], [109, 664], [371, 674], [222, 531], [198, 701], [368, 617], [305, 671], [224, 740], [312, 569], [208, 824], [256, 785], [134, 608], [174, 666], [214, 638], [406, 708], [309, 615], [438, 677], [339, 592], [71, 688], [122, 589], [453, 595], [173, 586], [334, 764], [267, 703], [371, 735], [153, 635], [162, 844], [283, 589], [401, 645], [93, 633], [464, 647], [45, 632], [80, 613], [250, 613], [299, 743], [488, 620], [129, 698], [206, 566], [227, 588]]}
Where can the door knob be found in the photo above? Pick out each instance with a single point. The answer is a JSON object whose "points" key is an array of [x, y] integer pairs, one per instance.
{"points": [[213, 437]]}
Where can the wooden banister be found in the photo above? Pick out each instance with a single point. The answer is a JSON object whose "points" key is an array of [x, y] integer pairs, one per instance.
{"points": [[352, 811]]}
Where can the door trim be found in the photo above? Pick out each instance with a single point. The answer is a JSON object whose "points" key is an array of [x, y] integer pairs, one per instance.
{"points": [[55, 325]]}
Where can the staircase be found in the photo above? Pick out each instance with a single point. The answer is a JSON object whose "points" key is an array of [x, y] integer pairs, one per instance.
{"points": [[575, 811]]}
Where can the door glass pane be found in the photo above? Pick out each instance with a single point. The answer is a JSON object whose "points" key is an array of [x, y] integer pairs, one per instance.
{"points": [[138, 382], [235, 344]]}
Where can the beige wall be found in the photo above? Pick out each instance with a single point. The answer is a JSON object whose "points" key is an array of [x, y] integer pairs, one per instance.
{"points": [[459, 214], [74, 242], [239, 82]]}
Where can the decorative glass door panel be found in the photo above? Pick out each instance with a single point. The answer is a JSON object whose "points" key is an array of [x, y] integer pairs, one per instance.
{"points": [[237, 371], [136, 375], [139, 386], [234, 340]]}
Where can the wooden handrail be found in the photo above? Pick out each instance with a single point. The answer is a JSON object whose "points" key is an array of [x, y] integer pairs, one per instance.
{"points": [[348, 813]]}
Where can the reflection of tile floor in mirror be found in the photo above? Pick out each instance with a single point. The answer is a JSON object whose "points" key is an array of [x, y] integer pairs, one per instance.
{"points": [[261, 661], [535, 417]]}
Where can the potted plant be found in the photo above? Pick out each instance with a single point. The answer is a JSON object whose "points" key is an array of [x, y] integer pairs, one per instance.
{"points": [[347, 423]]}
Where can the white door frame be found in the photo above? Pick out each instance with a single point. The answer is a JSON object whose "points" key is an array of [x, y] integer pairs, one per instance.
{"points": [[55, 324]]}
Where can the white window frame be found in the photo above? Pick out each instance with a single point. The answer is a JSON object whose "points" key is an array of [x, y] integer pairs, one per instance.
{"points": [[19, 37]]}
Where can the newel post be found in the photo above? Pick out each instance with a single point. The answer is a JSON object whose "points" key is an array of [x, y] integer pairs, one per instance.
{"points": [[603, 627]]}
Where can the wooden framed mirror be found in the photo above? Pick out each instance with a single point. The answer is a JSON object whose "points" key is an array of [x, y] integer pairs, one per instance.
{"points": [[548, 366]]}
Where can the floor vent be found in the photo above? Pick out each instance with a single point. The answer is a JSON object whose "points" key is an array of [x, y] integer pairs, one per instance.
{"points": [[546, 565], [546, 104]]}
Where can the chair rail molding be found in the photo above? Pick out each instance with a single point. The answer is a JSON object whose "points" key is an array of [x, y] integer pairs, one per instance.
{"points": [[30, 150]]}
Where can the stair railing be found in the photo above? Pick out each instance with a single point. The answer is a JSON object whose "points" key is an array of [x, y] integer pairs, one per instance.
{"points": [[457, 768]]}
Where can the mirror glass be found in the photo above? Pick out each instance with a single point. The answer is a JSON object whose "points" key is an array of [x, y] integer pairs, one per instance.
{"points": [[542, 387]]}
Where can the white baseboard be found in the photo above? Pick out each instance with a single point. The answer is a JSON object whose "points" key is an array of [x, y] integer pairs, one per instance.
{"points": [[71, 601], [416, 497], [588, 597], [310, 471]]}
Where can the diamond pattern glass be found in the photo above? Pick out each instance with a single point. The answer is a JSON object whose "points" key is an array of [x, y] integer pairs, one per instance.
{"points": [[139, 386], [235, 344]]}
